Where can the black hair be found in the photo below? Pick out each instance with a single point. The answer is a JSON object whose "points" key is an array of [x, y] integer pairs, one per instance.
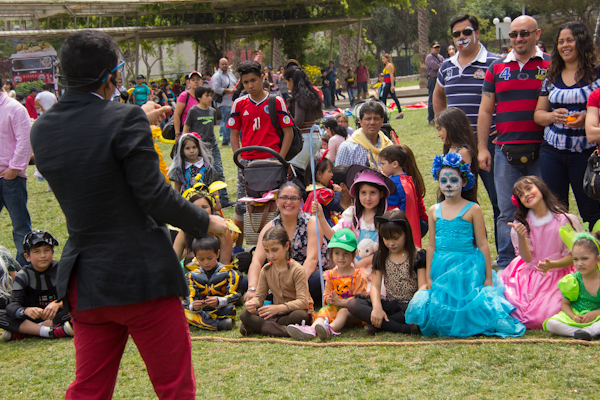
{"points": [[249, 67], [86, 58], [321, 167], [45, 87], [339, 130], [279, 235], [463, 17], [201, 89], [393, 230], [361, 60], [339, 174], [330, 123], [10, 83], [372, 107], [292, 185], [19, 96], [132, 82], [406, 159], [189, 239], [206, 243], [349, 70], [33, 89], [325, 138], [303, 92]]}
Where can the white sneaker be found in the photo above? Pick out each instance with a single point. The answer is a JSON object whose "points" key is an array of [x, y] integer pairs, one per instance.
{"points": [[324, 330]]}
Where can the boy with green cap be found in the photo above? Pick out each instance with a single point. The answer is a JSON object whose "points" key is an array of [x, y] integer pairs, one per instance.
{"points": [[342, 283]]}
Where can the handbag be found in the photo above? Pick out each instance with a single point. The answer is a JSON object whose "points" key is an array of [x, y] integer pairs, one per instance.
{"points": [[521, 154], [256, 217], [591, 177]]}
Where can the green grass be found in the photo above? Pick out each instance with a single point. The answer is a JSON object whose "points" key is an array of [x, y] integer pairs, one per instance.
{"points": [[42, 369], [407, 83]]}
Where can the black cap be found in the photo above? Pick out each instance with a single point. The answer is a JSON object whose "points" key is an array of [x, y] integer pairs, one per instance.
{"points": [[435, 43], [33, 89], [140, 76], [36, 237]]}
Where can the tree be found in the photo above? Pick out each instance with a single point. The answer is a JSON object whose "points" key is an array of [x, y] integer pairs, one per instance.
{"points": [[423, 45]]}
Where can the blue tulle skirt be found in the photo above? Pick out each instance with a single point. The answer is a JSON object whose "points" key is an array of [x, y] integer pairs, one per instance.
{"points": [[458, 304]]}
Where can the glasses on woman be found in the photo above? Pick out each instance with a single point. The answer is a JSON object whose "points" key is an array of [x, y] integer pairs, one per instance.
{"points": [[465, 32], [292, 198]]}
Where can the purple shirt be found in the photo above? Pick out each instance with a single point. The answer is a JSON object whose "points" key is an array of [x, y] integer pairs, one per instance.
{"points": [[15, 126]]}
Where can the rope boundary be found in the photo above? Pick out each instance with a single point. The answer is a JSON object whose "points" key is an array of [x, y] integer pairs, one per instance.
{"points": [[393, 344]]}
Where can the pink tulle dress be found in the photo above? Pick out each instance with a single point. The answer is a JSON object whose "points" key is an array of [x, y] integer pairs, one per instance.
{"points": [[537, 297]]}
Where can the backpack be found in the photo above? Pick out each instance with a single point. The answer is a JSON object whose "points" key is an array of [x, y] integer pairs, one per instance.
{"points": [[297, 140]]}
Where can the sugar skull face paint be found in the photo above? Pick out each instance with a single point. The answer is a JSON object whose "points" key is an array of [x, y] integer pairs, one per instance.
{"points": [[463, 43], [451, 183]]}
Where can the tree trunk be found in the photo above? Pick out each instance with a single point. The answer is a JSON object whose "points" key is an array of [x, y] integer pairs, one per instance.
{"points": [[423, 45], [161, 63], [344, 56], [353, 55], [277, 60], [236, 48]]}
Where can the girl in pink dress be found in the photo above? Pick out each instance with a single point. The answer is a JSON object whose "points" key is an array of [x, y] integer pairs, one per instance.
{"points": [[531, 279]]}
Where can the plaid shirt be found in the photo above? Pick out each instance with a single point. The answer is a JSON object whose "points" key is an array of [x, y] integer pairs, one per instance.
{"points": [[350, 153]]}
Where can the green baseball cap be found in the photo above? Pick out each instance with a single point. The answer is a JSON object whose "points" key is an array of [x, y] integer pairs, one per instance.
{"points": [[343, 239]]}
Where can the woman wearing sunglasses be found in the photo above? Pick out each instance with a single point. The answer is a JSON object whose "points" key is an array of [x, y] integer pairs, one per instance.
{"points": [[572, 76]]}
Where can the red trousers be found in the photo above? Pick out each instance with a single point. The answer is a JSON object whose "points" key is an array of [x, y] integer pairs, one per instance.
{"points": [[158, 328]]}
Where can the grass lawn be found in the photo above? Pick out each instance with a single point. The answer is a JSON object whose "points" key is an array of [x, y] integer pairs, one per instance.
{"points": [[407, 83], [42, 369]]}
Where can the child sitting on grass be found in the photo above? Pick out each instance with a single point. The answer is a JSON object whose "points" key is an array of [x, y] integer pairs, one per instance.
{"points": [[33, 308], [213, 288], [342, 283], [286, 279]]}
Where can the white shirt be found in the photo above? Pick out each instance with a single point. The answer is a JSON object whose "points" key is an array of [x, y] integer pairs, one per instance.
{"points": [[47, 100]]}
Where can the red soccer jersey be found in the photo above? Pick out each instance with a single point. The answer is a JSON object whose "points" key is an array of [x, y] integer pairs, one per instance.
{"points": [[252, 119]]}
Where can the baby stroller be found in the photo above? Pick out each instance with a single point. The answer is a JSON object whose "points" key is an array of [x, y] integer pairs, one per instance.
{"points": [[386, 127], [262, 180]]}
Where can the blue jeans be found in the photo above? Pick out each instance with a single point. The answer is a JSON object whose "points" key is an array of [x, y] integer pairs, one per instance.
{"points": [[430, 87], [563, 167], [488, 182], [326, 97], [213, 148], [506, 175], [302, 159], [13, 196], [351, 96], [224, 130]]}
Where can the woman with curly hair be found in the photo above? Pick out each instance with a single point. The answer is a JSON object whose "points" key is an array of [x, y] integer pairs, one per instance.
{"points": [[305, 106], [572, 76]]}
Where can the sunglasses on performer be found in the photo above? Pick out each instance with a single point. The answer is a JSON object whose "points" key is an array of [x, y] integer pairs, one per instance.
{"points": [[524, 33], [465, 32]]}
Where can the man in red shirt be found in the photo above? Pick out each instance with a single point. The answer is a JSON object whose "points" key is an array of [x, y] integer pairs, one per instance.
{"points": [[30, 103], [362, 80], [250, 115]]}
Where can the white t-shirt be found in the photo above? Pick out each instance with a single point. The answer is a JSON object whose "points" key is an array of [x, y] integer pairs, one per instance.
{"points": [[47, 99]]}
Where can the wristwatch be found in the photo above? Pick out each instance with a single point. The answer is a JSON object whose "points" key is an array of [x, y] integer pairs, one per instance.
{"points": [[252, 289]]}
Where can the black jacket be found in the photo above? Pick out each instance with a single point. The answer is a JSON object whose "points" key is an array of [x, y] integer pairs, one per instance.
{"points": [[98, 156]]}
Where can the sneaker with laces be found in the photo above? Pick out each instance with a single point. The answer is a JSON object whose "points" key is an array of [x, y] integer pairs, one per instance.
{"points": [[324, 330], [8, 336], [60, 331], [582, 335], [301, 332]]}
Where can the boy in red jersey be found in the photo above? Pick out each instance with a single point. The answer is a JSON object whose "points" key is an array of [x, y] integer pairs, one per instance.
{"points": [[250, 115]]}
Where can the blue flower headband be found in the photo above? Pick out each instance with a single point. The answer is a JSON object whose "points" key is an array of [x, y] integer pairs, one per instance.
{"points": [[453, 160]]}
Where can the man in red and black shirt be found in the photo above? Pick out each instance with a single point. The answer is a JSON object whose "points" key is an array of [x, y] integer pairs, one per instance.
{"points": [[250, 115], [511, 87]]}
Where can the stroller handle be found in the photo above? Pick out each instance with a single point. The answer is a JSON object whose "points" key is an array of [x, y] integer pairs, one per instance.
{"points": [[258, 148]]}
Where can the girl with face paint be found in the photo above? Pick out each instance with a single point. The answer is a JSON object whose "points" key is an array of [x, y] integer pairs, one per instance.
{"points": [[463, 296]]}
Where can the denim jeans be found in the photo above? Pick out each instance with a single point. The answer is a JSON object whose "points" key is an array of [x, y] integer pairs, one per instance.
{"points": [[326, 97], [430, 87], [224, 130], [505, 177], [563, 167], [213, 148], [13, 196], [488, 182], [302, 159], [351, 96]]}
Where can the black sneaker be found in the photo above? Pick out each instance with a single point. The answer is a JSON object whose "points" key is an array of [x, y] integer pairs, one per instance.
{"points": [[227, 204], [60, 331], [582, 335]]}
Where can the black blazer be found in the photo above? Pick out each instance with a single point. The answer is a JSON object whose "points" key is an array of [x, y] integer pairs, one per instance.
{"points": [[98, 156]]}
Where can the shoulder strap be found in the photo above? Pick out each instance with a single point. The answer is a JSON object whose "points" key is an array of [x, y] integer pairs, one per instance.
{"points": [[465, 209], [187, 98], [273, 115], [438, 211]]}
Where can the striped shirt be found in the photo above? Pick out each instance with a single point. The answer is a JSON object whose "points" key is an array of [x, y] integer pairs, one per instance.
{"points": [[463, 85], [516, 87], [574, 99]]}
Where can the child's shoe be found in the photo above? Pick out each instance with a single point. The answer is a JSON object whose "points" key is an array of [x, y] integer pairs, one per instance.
{"points": [[324, 330], [301, 332], [371, 329], [8, 336], [582, 335], [60, 331], [225, 324]]}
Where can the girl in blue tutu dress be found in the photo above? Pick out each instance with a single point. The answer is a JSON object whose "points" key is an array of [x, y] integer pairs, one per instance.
{"points": [[463, 296]]}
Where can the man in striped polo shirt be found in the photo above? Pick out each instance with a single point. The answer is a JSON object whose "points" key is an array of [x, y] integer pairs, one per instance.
{"points": [[459, 83], [511, 88]]}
